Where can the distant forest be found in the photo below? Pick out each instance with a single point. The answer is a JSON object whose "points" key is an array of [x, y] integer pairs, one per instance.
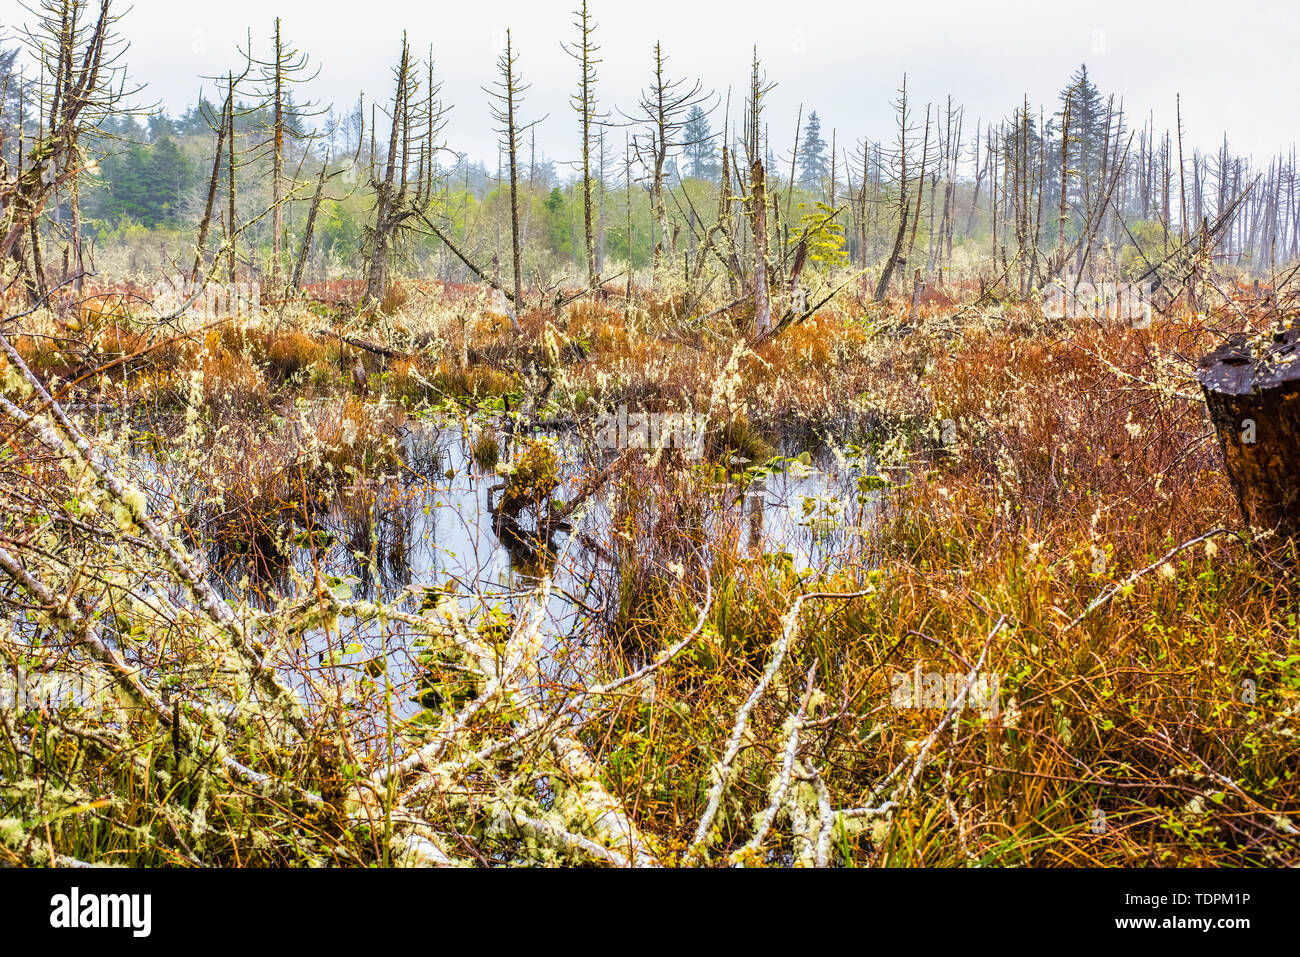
{"points": [[1074, 186]]}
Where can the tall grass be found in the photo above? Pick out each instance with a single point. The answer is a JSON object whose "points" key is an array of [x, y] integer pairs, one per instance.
{"points": [[1040, 483]]}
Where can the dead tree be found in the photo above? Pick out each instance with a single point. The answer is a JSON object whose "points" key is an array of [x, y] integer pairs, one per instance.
{"points": [[309, 229], [719, 239], [663, 108], [901, 161], [980, 173], [757, 198], [1064, 215], [584, 102], [213, 181], [600, 229], [941, 245], [402, 200], [920, 186], [507, 94], [304, 248], [627, 189], [79, 49], [390, 189], [286, 68], [232, 163], [758, 206], [224, 128]]}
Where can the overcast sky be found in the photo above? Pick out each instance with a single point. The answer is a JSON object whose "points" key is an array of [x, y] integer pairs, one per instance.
{"points": [[1235, 65]]}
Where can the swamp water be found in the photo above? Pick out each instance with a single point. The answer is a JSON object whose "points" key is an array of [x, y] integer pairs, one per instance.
{"points": [[429, 527]]}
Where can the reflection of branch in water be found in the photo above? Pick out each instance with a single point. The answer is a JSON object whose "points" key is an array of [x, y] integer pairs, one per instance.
{"points": [[533, 548], [378, 540], [530, 554]]}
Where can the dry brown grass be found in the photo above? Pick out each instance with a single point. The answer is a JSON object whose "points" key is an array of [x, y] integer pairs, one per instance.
{"points": [[1035, 467]]}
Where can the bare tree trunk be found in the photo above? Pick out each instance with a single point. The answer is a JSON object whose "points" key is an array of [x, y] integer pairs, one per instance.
{"points": [[376, 278], [304, 250], [38, 286], [728, 255], [882, 287], [762, 300], [920, 186], [213, 182], [277, 163], [886, 274], [600, 229], [627, 172], [1063, 215], [979, 178], [74, 201], [230, 178]]}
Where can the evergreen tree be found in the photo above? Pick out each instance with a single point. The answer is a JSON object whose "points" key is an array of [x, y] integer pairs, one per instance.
{"points": [[148, 185], [171, 177], [1087, 130], [194, 121], [701, 155], [814, 166], [160, 125]]}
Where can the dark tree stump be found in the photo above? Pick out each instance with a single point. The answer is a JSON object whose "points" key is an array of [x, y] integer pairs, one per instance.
{"points": [[1252, 390]]}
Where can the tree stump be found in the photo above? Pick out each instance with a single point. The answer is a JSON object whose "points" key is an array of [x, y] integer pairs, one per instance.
{"points": [[1252, 390]]}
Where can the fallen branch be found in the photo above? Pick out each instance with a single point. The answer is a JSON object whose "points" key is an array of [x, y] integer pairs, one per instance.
{"points": [[724, 768]]}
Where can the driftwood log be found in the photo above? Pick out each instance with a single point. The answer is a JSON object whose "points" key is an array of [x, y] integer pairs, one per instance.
{"points": [[1252, 391]]}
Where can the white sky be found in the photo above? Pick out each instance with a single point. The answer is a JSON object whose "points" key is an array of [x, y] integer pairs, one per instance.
{"points": [[1235, 65]]}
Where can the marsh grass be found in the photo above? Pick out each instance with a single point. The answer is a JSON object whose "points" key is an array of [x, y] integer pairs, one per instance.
{"points": [[1027, 468]]}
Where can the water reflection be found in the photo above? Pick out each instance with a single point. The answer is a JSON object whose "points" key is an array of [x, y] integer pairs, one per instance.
{"points": [[429, 524]]}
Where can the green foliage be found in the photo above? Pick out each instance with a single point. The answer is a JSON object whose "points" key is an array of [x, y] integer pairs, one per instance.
{"points": [[827, 249], [1152, 238], [531, 478], [813, 163], [149, 185]]}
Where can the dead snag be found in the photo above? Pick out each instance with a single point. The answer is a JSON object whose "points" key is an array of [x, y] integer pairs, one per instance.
{"points": [[762, 299], [1252, 390]]}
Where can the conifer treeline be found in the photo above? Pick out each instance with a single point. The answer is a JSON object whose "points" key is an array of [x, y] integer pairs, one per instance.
{"points": [[1038, 192]]}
